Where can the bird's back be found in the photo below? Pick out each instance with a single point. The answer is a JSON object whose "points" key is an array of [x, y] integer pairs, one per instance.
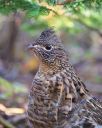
{"points": [[86, 114]]}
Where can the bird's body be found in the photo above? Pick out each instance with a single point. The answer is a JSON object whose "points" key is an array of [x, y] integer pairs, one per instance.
{"points": [[52, 97], [56, 89], [86, 114]]}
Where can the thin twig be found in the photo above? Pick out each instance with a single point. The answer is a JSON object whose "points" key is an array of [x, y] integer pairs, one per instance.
{"points": [[90, 27], [86, 25], [39, 1], [64, 2], [5, 123], [53, 11], [76, 19]]}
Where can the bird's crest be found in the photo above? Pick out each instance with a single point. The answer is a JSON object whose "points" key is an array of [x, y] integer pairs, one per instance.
{"points": [[49, 36], [47, 33]]}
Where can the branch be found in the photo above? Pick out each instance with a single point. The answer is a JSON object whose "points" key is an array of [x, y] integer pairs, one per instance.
{"points": [[64, 2], [48, 8], [90, 27], [73, 18], [53, 11]]}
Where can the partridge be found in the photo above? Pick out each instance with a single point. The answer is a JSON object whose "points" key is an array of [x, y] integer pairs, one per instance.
{"points": [[57, 93]]}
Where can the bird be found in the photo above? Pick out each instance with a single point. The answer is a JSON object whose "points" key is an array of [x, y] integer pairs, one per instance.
{"points": [[58, 98]]}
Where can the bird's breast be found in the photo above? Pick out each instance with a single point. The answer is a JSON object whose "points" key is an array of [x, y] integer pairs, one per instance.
{"points": [[50, 99]]}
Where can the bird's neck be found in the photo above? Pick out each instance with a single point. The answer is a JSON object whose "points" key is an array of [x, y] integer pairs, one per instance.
{"points": [[50, 70]]}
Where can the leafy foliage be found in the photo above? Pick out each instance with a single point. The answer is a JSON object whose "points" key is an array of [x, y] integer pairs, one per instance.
{"points": [[32, 8], [87, 13], [7, 6]]}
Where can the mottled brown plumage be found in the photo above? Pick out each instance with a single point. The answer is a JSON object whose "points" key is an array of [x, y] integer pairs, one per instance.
{"points": [[56, 89]]}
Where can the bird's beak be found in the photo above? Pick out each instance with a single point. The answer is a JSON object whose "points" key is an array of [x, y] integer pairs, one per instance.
{"points": [[30, 47], [33, 48]]}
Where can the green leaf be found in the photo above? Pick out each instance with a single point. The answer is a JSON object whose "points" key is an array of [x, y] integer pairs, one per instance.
{"points": [[44, 10], [51, 2], [34, 11]]}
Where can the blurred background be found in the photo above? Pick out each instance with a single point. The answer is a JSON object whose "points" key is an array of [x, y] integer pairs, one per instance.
{"points": [[79, 25]]}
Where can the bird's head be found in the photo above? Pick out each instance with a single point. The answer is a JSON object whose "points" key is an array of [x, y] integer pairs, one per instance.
{"points": [[49, 50]]}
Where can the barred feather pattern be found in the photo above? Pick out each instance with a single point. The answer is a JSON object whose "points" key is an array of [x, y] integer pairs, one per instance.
{"points": [[86, 114], [52, 98], [57, 93]]}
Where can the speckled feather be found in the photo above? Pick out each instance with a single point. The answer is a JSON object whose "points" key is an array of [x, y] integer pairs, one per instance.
{"points": [[57, 90]]}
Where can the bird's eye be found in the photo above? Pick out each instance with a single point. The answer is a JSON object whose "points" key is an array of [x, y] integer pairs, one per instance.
{"points": [[48, 47]]}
